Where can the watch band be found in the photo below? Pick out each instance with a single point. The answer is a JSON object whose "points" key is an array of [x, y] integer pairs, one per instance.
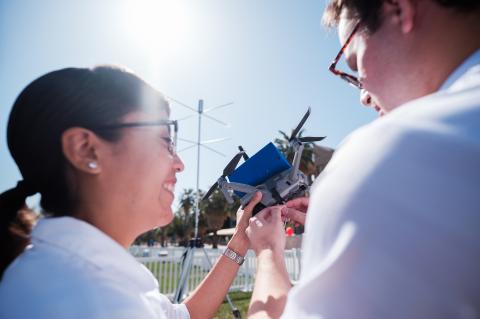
{"points": [[233, 256]]}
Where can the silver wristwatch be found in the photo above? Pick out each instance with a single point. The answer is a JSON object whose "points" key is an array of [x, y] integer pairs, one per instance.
{"points": [[233, 256]]}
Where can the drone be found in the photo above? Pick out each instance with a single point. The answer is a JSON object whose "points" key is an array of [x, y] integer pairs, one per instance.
{"points": [[267, 172]]}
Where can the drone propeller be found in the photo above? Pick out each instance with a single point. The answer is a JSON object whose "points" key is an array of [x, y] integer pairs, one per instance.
{"points": [[299, 126], [245, 156], [210, 191], [226, 171], [311, 139], [304, 139], [233, 164]]}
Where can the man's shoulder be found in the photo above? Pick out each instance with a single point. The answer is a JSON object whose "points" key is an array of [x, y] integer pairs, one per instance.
{"points": [[438, 118], [435, 139]]}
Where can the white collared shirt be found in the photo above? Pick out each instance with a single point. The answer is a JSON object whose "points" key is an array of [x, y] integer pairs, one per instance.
{"points": [[393, 227], [75, 271]]}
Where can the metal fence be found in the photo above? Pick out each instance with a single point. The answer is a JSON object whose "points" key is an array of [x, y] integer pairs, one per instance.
{"points": [[166, 265]]}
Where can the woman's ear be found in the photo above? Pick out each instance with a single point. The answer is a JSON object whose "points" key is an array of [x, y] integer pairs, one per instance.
{"points": [[79, 146], [402, 12]]}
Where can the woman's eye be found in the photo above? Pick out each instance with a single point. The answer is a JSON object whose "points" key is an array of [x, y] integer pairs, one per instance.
{"points": [[167, 140]]}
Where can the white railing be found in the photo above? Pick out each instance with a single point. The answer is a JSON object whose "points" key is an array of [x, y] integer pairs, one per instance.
{"points": [[166, 265]]}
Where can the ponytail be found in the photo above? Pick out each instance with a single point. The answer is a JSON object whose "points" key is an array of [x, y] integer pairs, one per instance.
{"points": [[16, 223]]}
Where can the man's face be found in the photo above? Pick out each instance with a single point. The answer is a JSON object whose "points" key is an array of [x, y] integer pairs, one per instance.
{"points": [[382, 62]]}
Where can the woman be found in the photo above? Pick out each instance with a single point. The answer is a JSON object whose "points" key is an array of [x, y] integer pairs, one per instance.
{"points": [[98, 146]]}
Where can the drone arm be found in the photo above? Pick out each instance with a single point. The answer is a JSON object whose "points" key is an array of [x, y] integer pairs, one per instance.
{"points": [[227, 196], [296, 162], [243, 188], [223, 186]]}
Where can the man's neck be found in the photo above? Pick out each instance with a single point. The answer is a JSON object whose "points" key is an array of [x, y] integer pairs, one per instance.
{"points": [[450, 39]]}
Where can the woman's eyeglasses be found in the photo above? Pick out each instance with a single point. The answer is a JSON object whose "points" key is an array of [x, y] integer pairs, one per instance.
{"points": [[351, 79], [171, 140]]}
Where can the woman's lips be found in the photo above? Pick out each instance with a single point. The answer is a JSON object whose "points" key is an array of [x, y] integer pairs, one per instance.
{"points": [[170, 185]]}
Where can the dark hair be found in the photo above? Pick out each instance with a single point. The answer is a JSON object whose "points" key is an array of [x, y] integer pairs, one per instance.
{"points": [[369, 14], [71, 97]]}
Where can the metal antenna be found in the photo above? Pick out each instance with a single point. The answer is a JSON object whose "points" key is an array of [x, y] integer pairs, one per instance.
{"points": [[201, 112], [195, 242]]}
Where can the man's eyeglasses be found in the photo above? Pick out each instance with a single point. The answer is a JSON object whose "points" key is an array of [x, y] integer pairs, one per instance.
{"points": [[171, 140], [353, 80]]}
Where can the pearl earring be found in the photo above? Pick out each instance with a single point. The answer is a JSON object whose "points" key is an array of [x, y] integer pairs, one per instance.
{"points": [[92, 165]]}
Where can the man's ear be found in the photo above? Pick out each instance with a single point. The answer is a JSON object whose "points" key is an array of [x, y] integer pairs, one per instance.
{"points": [[79, 146], [402, 12]]}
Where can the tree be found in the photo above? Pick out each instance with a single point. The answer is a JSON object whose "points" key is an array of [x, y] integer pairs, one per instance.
{"points": [[185, 222], [180, 230], [183, 225], [148, 237], [187, 201], [307, 164], [216, 212]]}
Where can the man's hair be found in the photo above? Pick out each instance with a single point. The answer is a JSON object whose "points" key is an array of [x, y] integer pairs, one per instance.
{"points": [[369, 14]]}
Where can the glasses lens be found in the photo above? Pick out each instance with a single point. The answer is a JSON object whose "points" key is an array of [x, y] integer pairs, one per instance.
{"points": [[173, 134], [352, 80], [172, 127]]}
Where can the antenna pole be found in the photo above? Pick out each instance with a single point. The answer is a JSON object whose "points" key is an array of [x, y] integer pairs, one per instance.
{"points": [[197, 200], [201, 112]]}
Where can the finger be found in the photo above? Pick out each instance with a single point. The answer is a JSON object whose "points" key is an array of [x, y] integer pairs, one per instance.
{"points": [[249, 232], [276, 213], [298, 203], [257, 197], [264, 214], [294, 215], [255, 222]]}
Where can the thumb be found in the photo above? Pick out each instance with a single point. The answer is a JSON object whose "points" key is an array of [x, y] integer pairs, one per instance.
{"points": [[257, 197], [276, 213]]}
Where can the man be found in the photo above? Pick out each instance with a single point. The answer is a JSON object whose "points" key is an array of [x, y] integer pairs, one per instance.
{"points": [[392, 228]]}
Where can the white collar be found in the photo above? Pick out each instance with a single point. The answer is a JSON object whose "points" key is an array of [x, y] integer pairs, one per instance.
{"points": [[80, 239], [471, 62]]}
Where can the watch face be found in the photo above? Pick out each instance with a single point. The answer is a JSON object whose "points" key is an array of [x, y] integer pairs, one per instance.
{"points": [[233, 256]]}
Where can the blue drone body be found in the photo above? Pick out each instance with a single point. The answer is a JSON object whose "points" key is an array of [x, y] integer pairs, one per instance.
{"points": [[268, 171]]}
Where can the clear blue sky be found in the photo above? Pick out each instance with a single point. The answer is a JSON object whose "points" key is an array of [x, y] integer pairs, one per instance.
{"points": [[269, 57]]}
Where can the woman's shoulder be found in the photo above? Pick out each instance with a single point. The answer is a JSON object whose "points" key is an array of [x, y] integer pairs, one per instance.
{"points": [[40, 284]]}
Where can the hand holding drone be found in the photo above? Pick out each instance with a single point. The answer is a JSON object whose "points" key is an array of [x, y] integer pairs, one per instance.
{"points": [[268, 172]]}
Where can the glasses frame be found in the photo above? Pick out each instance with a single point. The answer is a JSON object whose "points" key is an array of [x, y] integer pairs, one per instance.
{"points": [[350, 79], [171, 140]]}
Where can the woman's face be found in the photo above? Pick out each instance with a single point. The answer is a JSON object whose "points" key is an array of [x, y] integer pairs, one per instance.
{"points": [[141, 171]]}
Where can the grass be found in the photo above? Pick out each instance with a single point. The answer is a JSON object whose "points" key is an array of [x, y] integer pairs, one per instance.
{"points": [[240, 299], [166, 282]]}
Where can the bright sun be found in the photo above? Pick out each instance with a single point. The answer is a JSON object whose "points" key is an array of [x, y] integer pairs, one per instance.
{"points": [[160, 27]]}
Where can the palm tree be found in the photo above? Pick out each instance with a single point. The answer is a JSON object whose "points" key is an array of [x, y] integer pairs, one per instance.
{"points": [[186, 212], [176, 230], [307, 164], [187, 201], [216, 212]]}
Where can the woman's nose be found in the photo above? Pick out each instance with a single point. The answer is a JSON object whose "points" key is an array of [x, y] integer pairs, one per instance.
{"points": [[178, 164]]}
